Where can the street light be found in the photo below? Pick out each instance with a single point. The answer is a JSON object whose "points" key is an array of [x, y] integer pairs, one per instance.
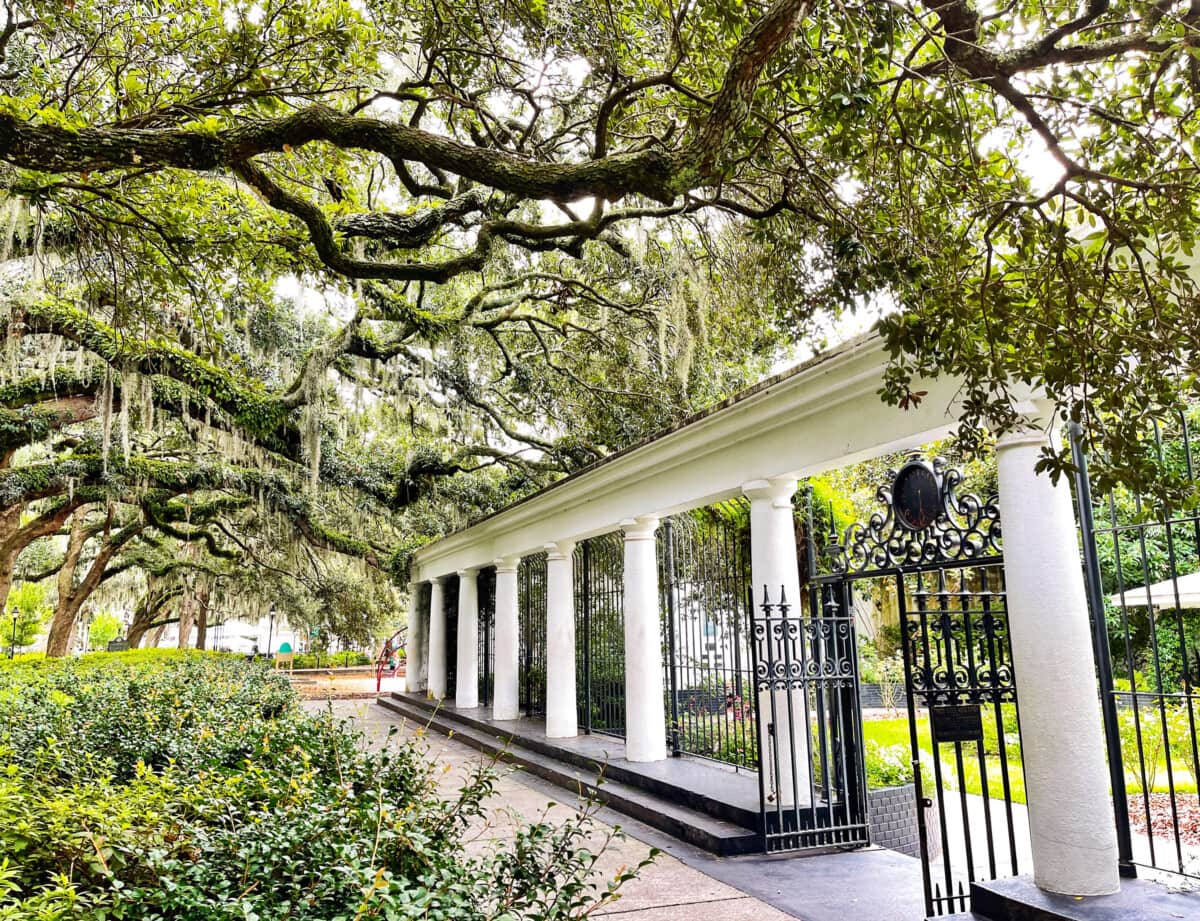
{"points": [[12, 644], [270, 630]]}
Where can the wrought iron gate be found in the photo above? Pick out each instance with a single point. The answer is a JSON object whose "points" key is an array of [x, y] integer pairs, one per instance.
{"points": [[1142, 567], [941, 549], [811, 780], [487, 633], [531, 594], [600, 634]]}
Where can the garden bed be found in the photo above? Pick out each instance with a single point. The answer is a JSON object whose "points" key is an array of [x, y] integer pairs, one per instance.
{"points": [[1162, 818]]}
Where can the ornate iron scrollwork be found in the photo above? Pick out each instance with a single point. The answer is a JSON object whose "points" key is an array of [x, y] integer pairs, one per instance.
{"points": [[795, 650], [925, 520]]}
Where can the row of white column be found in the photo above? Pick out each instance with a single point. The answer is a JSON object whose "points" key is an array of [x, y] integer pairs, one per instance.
{"points": [[645, 719], [1070, 814]]}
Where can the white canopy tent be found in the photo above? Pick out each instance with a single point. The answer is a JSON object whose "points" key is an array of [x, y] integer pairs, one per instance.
{"points": [[1182, 590]]}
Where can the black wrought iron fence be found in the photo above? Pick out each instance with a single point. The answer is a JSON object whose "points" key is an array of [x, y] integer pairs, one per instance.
{"points": [[487, 633], [450, 607], [704, 562], [531, 600], [1143, 577], [600, 633]]}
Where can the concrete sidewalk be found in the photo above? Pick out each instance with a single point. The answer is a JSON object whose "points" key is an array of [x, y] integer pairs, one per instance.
{"points": [[668, 890]]}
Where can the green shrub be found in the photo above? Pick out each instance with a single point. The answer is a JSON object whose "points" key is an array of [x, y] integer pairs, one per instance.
{"points": [[868, 662], [888, 766], [159, 784], [345, 659]]}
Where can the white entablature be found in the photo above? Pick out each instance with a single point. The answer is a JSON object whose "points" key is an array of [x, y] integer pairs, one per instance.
{"points": [[818, 416]]}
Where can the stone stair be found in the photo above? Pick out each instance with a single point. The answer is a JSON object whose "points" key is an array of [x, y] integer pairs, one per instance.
{"points": [[671, 810]]}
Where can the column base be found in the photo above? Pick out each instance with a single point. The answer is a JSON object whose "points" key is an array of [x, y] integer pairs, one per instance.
{"points": [[1018, 899]]}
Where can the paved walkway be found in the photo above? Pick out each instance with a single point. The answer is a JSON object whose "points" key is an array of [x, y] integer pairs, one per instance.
{"points": [[668, 890]]}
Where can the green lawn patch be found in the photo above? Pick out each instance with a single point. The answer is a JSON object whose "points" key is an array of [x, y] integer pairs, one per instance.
{"points": [[887, 733]]}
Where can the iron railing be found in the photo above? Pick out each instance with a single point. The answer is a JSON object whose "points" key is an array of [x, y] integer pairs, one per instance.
{"points": [[600, 633], [450, 608], [531, 600], [1141, 562], [487, 633], [704, 562]]}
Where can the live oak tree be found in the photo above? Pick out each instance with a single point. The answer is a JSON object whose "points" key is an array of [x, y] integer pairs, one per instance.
{"points": [[537, 231]]}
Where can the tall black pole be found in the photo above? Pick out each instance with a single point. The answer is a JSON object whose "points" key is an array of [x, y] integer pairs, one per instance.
{"points": [[1100, 647], [270, 631], [12, 645], [672, 656]]}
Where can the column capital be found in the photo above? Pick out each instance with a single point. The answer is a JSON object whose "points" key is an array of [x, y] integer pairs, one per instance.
{"points": [[777, 490], [559, 550], [470, 573], [1023, 437], [506, 563], [414, 585], [640, 528], [438, 580]]}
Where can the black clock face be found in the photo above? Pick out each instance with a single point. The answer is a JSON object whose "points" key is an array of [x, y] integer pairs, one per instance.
{"points": [[916, 497]]}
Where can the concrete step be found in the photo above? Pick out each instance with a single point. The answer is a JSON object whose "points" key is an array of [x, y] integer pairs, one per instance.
{"points": [[688, 783], [704, 831]]}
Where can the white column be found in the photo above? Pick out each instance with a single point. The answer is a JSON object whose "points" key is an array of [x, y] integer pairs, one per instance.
{"points": [[645, 717], [466, 681], [774, 567], [1062, 738], [505, 697], [561, 716], [436, 683], [414, 647]]}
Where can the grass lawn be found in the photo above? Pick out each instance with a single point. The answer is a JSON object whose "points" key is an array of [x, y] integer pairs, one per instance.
{"points": [[887, 733]]}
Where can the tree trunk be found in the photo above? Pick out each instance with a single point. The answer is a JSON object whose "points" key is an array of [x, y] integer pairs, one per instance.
{"points": [[15, 537], [151, 609], [202, 601], [71, 597], [186, 619], [62, 625], [156, 636]]}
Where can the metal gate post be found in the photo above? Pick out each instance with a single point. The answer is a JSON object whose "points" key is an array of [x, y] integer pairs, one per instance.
{"points": [[587, 637], [526, 678], [1100, 646], [673, 682]]}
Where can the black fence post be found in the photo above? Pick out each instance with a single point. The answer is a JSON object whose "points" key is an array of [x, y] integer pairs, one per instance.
{"points": [[1108, 703], [587, 636], [673, 679]]}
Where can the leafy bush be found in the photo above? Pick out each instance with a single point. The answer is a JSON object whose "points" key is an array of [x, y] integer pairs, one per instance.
{"points": [[159, 784], [105, 626], [729, 736], [346, 659], [888, 766], [868, 662], [29, 600]]}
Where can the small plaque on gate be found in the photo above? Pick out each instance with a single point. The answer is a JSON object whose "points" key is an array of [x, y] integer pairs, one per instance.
{"points": [[957, 723]]}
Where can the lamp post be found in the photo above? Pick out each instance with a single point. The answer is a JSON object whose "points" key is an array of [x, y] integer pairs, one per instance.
{"points": [[270, 630], [12, 644]]}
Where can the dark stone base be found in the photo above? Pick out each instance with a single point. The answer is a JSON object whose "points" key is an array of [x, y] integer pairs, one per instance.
{"points": [[1020, 900], [893, 813]]}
